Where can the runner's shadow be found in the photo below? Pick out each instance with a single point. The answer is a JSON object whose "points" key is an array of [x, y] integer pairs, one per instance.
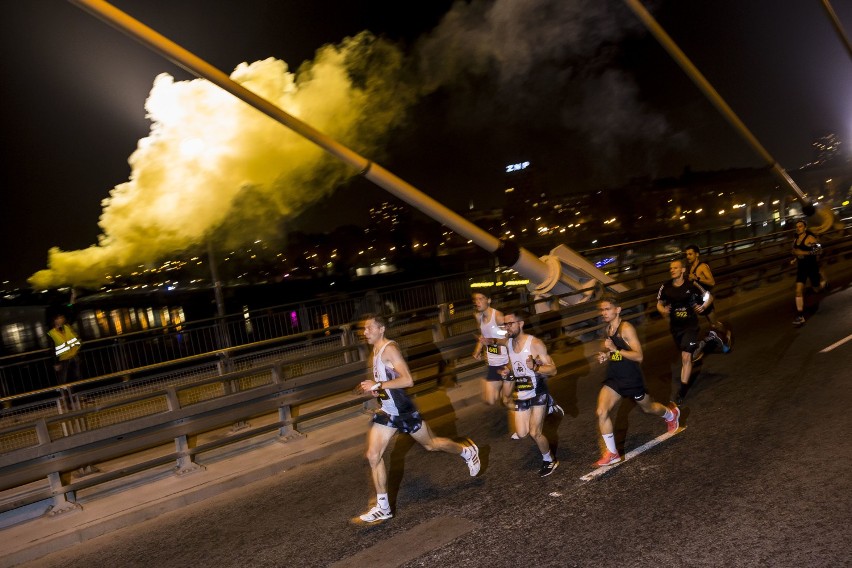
{"points": [[438, 412]]}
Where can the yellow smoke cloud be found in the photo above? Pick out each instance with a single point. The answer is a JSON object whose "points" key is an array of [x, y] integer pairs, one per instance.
{"points": [[211, 159]]}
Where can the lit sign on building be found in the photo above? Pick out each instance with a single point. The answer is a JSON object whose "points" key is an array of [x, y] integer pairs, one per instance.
{"points": [[517, 167]]}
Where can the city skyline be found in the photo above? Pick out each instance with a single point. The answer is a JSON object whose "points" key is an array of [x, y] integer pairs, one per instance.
{"points": [[458, 153], [395, 238]]}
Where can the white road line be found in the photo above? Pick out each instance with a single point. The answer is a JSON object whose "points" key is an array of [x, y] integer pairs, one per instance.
{"points": [[632, 454], [837, 344]]}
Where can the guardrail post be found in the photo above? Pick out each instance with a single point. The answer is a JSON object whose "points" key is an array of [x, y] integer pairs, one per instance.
{"points": [[347, 339], [287, 432], [443, 312], [62, 502], [172, 399], [185, 465]]}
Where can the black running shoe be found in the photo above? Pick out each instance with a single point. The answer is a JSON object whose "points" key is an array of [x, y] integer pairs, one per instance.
{"points": [[547, 468], [698, 354]]}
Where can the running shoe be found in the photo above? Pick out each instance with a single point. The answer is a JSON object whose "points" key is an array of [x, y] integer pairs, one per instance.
{"points": [[473, 463], [728, 343], [672, 425], [608, 458], [799, 320], [515, 436], [555, 409], [376, 514], [548, 467], [715, 339], [698, 354]]}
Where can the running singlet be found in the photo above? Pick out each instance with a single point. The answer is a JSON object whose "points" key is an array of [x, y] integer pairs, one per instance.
{"points": [[810, 260], [395, 402], [496, 354], [682, 300], [620, 368], [692, 272], [528, 384]]}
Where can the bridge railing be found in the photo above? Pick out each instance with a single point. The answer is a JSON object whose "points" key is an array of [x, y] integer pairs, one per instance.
{"points": [[25, 373], [300, 381]]}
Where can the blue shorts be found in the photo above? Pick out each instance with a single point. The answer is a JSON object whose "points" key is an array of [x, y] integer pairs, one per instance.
{"points": [[405, 423], [538, 400]]}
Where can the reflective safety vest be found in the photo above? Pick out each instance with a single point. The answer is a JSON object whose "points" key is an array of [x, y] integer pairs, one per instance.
{"points": [[66, 341]]}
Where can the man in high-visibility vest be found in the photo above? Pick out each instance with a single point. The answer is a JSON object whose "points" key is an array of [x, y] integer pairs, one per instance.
{"points": [[66, 345]]}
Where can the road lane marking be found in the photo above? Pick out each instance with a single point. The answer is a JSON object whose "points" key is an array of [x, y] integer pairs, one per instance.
{"points": [[632, 454], [837, 344]]}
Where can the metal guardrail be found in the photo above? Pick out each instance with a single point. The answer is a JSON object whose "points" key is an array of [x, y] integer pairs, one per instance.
{"points": [[50, 447], [26, 373], [125, 351]]}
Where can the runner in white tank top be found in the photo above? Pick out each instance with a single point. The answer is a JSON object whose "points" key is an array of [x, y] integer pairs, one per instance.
{"points": [[491, 340], [529, 366]]}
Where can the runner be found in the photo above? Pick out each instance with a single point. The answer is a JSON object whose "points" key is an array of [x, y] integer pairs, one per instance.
{"points": [[622, 352], [398, 412]]}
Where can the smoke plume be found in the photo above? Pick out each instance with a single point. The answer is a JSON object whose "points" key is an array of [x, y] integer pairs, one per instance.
{"points": [[213, 167]]}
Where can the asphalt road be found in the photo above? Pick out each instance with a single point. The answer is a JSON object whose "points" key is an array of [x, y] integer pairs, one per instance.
{"points": [[759, 476]]}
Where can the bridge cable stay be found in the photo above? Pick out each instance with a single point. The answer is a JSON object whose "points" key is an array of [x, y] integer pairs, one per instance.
{"points": [[826, 218], [544, 280], [838, 27]]}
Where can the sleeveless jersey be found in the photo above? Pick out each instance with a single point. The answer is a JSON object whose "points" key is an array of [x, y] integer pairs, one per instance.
{"points": [[620, 368], [528, 384], [694, 269], [497, 354], [806, 261], [395, 402]]}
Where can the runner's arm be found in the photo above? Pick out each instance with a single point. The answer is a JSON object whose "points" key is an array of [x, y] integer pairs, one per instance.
{"points": [[634, 351], [542, 363]]}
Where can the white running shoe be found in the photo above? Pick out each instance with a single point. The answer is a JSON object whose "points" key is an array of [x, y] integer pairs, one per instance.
{"points": [[473, 463], [376, 514]]}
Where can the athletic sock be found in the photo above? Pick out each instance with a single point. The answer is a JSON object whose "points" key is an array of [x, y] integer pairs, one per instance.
{"points": [[668, 415], [609, 440], [681, 392], [547, 457], [383, 501]]}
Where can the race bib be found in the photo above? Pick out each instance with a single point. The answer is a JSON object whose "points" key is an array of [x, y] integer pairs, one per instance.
{"points": [[493, 349]]}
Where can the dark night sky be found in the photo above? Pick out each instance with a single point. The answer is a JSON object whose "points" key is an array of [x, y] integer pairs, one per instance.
{"points": [[579, 88]]}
